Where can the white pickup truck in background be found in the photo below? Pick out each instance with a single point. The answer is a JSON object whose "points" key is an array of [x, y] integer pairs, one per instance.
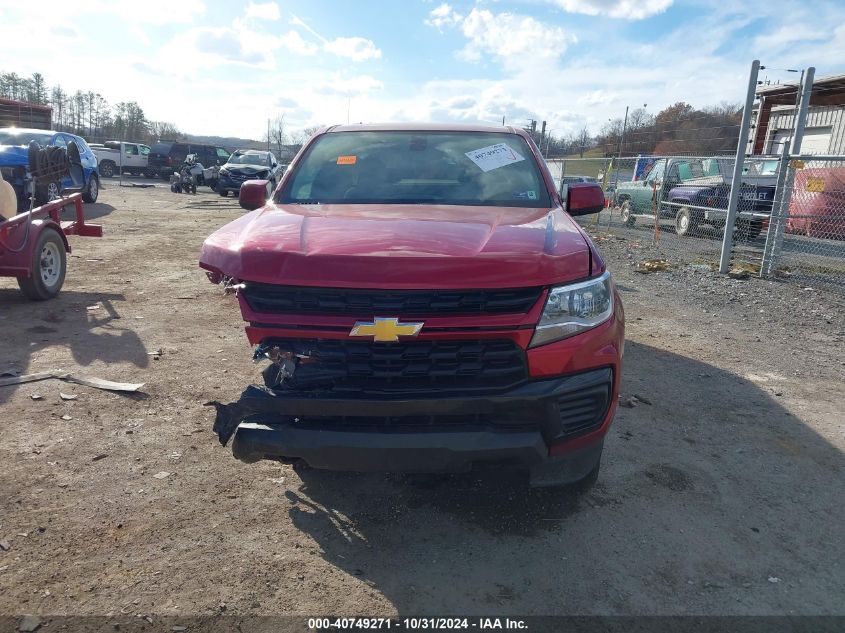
{"points": [[112, 156]]}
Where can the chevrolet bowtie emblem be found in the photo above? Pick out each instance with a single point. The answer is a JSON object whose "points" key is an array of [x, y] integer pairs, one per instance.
{"points": [[385, 330]]}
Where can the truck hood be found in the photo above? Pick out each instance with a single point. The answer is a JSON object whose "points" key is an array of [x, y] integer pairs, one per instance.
{"points": [[401, 246], [246, 169], [13, 155]]}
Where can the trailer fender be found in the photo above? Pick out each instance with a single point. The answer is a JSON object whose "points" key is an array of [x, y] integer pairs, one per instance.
{"points": [[48, 223]]}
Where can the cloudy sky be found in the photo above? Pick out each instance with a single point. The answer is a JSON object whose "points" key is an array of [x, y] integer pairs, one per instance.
{"points": [[215, 67]]}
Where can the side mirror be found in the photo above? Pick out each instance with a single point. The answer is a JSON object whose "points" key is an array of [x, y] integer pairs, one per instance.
{"points": [[584, 198], [253, 194]]}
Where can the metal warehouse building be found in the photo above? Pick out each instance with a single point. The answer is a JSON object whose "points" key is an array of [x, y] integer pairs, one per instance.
{"points": [[775, 118]]}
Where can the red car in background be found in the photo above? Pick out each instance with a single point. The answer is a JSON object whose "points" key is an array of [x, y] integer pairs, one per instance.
{"points": [[817, 206]]}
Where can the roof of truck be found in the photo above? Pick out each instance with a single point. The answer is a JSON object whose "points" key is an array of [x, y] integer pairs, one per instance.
{"points": [[424, 127]]}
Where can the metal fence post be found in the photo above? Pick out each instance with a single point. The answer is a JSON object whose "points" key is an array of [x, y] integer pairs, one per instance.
{"points": [[801, 120], [777, 219], [736, 182], [786, 179], [562, 174]]}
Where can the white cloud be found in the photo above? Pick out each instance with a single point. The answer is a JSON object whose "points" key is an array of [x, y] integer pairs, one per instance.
{"points": [[628, 9], [787, 35], [65, 31], [265, 11], [443, 16], [227, 44], [358, 85], [140, 35], [358, 49], [514, 39], [293, 42]]}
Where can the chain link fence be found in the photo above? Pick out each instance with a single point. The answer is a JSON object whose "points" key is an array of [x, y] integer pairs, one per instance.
{"points": [[673, 210], [674, 207]]}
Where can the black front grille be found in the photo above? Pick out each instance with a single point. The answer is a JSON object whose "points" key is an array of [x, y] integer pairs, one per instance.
{"points": [[416, 366], [584, 410], [268, 298]]}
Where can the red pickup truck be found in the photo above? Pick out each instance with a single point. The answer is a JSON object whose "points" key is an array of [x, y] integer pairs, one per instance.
{"points": [[424, 303]]}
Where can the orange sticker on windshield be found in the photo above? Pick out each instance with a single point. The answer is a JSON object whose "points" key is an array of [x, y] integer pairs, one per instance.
{"points": [[346, 160]]}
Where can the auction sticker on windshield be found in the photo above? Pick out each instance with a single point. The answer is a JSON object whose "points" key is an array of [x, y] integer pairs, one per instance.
{"points": [[494, 156]]}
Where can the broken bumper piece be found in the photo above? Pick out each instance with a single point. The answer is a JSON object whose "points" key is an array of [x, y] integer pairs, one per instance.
{"points": [[419, 434]]}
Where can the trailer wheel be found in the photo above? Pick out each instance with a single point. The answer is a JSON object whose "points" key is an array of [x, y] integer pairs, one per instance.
{"points": [[107, 168], [628, 216], [49, 264]]}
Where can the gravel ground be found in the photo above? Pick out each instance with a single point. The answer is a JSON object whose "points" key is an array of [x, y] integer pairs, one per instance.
{"points": [[721, 490]]}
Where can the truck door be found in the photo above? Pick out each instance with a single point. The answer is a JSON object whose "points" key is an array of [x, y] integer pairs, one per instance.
{"points": [[643, 196], [131, 156]]}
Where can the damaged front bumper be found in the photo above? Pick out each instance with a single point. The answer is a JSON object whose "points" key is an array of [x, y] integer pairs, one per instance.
{"points": [[423, 434]]}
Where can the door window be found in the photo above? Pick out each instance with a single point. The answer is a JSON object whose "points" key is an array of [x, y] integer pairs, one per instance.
{"points": [[656, 173]]}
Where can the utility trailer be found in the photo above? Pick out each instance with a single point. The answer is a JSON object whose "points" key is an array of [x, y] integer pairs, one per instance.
{"points": [[34, 246]]}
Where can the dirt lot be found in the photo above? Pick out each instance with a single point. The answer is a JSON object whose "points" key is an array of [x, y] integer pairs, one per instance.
{"points": [[724, 495]]}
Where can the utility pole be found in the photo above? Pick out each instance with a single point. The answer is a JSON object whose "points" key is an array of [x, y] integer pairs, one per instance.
{"points": [[268, 135]]}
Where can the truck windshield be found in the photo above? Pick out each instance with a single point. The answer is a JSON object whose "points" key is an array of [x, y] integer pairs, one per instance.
{"points": [[761, 168], [410, 167], [16, 137], [248, 159]]}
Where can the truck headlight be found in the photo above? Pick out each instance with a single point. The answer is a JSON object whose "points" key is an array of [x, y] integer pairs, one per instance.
{"points": [[575, 308], [224, 171]]}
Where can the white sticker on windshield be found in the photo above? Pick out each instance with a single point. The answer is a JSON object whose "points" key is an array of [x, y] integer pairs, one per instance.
{"points": [[494, 156]]}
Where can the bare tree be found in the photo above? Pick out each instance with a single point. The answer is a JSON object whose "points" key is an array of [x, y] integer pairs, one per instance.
{"points": [[304, 134], [583, 141], [277, 134], [164, 130]]}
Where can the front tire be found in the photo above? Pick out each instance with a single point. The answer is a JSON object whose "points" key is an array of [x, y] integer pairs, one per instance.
{"points": [[685, 221], [49, 264], [628, 217], [92, 191], [224, 193]]}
